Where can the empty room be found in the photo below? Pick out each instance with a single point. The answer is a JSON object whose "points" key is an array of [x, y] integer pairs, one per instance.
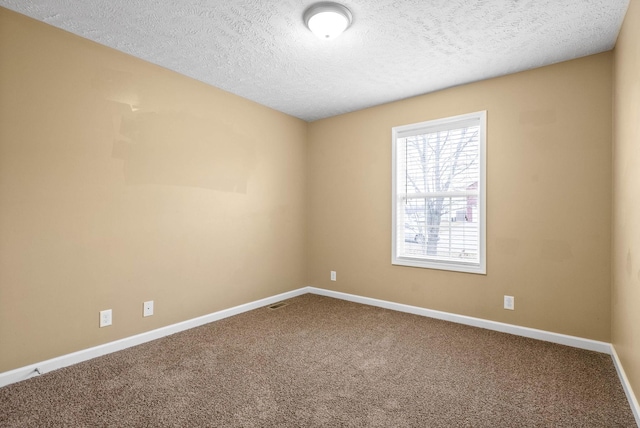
{"points": [[298, 213]]}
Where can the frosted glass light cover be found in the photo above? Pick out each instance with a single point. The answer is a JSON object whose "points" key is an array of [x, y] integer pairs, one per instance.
{"points": [[328, 25]]}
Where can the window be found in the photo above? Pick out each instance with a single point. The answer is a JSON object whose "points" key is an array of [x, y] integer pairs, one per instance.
{"points": [[439, 194]]}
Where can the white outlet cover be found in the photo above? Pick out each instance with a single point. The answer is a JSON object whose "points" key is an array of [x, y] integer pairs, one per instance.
{"points": [[333, 275], [106, 318], [509, 302], [147, 308]]}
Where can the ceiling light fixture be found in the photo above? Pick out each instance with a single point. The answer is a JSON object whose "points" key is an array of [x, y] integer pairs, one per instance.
{"points": [[327, 20]]}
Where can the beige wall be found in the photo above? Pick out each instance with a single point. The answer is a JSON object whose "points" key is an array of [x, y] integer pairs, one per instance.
{"points": [[626, 198], [122, 182], [549, 201]]}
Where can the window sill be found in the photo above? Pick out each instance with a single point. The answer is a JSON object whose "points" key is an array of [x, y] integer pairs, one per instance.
{"points": [[478, 269]]}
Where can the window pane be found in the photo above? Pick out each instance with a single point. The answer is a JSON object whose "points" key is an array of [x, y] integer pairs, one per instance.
{"points": [[442, 228], [440, 161]]}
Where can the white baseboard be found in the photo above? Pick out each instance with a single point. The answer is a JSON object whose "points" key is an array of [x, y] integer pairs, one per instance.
{"points": [[633, 402], [547, 336], [31, 370]]}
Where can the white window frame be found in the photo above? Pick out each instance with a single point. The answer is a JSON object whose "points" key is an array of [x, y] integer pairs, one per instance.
{"points": [[429, 127]]}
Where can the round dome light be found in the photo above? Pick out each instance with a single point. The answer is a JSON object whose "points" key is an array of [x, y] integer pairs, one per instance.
{"points": [[327, 20]]}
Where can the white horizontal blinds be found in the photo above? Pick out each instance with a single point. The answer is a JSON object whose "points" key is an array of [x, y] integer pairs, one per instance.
{"points": [[437, 192]]}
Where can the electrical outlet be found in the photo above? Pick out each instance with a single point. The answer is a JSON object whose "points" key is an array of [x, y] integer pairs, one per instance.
{"points": [[147, 308], [333, 275], [509, 302], [105, 318]]}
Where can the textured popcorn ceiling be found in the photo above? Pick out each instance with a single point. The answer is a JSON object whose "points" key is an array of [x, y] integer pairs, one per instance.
{"points": [[261, 50]]}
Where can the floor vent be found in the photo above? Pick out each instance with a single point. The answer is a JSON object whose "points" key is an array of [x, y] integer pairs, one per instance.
{"points": [[277, 306]]}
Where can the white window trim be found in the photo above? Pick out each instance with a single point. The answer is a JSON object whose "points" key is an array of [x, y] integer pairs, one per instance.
{"points": [[406, 130]]}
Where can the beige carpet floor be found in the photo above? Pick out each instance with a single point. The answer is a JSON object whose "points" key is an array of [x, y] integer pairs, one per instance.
{"points": [[324, 362]]}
